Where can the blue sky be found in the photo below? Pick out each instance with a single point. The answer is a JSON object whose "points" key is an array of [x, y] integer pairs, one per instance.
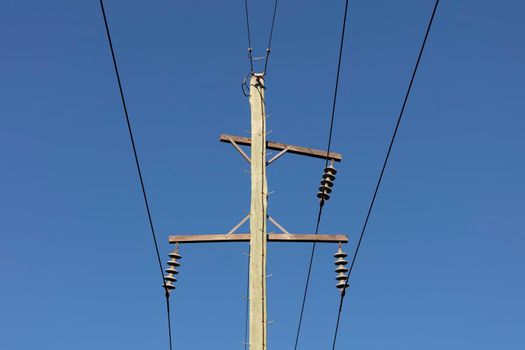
{"points": [[442, 263]]}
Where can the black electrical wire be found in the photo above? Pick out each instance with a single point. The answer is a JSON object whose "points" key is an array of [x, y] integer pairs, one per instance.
{"points": [[312, 253], [137, 163], [250, 49], [269, 47], [329, 145], [385, 163]]}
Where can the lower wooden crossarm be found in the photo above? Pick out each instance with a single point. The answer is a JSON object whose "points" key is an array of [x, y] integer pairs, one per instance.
{"points": [[272, 237]]}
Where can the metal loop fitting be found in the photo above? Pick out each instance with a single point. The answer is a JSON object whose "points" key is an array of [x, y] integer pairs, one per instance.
{"points": [[245, 88]]}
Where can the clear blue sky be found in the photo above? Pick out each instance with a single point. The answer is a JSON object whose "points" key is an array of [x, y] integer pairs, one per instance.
{"points": [[442, 264]]}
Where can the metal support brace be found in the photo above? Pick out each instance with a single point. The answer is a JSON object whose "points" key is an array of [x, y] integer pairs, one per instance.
{"points": [[236, 227], [279, 226], [245, 156], [278, 155]]}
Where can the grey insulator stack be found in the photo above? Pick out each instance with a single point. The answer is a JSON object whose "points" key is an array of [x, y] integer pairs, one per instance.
{"points": [[326, 183], [341, 269], [171, 271]]}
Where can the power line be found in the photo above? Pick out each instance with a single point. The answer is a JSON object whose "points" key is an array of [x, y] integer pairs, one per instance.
{"points": [[250, 49], [137, 163], [385, 163], [248, 31], [312, 253], [269, 47], [321, 203]]}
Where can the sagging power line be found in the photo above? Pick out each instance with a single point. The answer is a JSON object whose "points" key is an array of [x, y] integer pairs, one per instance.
{"points": [[249, 35], [137, 163], [321, 201], [385, 163], [258, 237]]}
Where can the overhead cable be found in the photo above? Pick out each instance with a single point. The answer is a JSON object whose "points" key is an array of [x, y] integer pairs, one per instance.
{"points": [[329, 145], [269, 47], [137, 163], [250, 49], [385, 163], [248, 31]]}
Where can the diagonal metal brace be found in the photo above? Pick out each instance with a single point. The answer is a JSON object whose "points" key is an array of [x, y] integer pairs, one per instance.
{"points": [[236, 227], [278, 155], [279, 226], [243, 154]]}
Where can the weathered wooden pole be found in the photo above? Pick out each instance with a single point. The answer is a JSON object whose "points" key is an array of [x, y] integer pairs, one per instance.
{"points": [[259, 201], [258, 237]]}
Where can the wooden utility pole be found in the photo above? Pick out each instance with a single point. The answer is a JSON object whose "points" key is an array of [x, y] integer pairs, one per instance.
{"points": [[258, 237], [259, 203]]}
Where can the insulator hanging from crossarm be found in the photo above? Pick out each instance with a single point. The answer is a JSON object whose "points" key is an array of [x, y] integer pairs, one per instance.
{"points": [[325, 189], [327, 183], [171, 271], [175, 254], [341, 269], [173, 262]]}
